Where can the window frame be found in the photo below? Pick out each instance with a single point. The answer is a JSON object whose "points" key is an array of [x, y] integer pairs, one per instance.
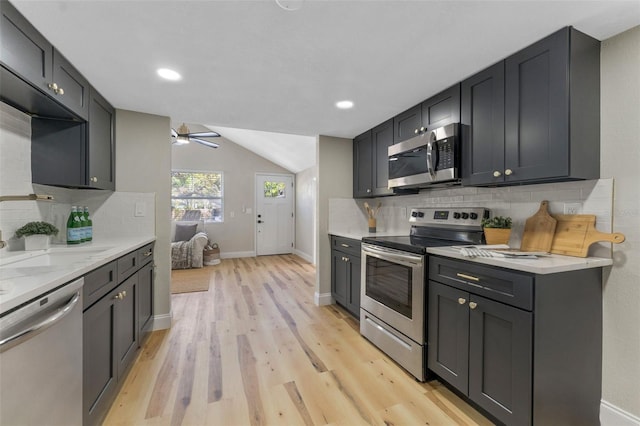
{"points": [[220, 198]]}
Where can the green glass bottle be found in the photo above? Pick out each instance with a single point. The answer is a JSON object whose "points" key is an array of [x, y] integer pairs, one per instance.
{"points": [[89, 225], [73, 227], [83, 224]]}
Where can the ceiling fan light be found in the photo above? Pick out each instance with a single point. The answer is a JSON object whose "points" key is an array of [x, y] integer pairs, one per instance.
{"points": [[181, 140]]}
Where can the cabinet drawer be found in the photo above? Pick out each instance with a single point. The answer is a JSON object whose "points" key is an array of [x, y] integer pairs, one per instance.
{"points": [[127, 265], [145, 254], [346, 245], [99, 282], [512, 288]]}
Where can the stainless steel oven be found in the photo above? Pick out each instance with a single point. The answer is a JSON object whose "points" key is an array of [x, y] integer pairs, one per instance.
{"points": [[393, 295]]}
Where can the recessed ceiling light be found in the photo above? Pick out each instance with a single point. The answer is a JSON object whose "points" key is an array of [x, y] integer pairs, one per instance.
{"points": [[344, 104], [168, 74]]}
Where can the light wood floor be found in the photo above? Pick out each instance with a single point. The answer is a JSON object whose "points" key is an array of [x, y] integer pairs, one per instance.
{"points": [[255, 350]]}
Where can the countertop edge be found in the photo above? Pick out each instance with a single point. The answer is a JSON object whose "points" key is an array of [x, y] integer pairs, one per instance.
{"points": [[122, 247]]}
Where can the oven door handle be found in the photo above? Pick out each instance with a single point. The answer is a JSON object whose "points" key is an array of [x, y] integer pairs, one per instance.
{"points": [[395, 256]]}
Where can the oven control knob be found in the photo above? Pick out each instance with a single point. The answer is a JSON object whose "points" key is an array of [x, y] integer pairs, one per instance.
{"points": [[414, 214], [420, 214], [473, 216], [465, 215], [456, 215]]}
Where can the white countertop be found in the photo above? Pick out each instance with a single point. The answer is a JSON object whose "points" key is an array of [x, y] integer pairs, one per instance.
{"points": [[25, 275], [550, 264]]}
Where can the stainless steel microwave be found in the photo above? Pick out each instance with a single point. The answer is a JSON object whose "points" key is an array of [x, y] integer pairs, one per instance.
{"points": [[429, 158]]}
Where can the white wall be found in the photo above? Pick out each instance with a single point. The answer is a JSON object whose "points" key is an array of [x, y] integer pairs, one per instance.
{"points": [[305, 214], [143, 162], [620, 159], [334, 179], [236, 235]]}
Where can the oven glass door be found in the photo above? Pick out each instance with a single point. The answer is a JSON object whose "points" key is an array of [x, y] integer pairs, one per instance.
{"points": [[390, 284], [393, 289]]}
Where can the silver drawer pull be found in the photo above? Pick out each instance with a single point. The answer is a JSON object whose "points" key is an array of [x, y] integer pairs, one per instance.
{"points": [[468, 277], [473, 305], [147, 254], [462, 301], [345, 245]]}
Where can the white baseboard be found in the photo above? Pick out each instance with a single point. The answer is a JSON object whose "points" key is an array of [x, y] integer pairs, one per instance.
{"points": [[236, 254], [162, 322], [610, 415], [322, 299], [303, 255]]}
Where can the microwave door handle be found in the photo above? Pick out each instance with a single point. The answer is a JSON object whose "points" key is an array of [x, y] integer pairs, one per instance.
{"points": [[430, 163]]}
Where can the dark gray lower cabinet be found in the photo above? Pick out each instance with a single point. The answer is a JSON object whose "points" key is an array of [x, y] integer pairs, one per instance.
{"points": [[113, 328], [345, 273], [524, 347]]}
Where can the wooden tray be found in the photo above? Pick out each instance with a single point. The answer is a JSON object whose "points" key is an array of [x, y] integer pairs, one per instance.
{"points": [[539, 230], [576, 232]]}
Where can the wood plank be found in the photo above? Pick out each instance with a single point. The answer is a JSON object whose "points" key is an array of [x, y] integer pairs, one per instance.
{"points": [[255, 349]]}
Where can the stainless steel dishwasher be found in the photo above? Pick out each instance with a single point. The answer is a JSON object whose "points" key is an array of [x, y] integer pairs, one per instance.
{"points": [[41, 360]]}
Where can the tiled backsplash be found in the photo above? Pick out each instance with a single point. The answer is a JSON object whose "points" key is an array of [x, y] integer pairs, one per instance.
{"points": [[112, 213], [519, 202]]}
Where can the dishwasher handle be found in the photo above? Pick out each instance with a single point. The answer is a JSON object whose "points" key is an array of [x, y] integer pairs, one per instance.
{"points": [[30, 331]]}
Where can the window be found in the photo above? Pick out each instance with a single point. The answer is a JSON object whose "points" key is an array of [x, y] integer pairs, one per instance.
{"points": [[274, 190], [197, 191]]}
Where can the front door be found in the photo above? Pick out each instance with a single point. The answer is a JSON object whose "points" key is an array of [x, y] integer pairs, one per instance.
{"points": [[274, 214]]}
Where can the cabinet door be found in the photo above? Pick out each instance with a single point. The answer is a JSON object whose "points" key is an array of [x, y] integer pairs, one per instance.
{"points": [[339, 277], [99, 361], [72, 88], [126, 330], [537, 110], [381, 139], [441, 109], [500, 360], [448, 334], [353, 285], [101, 155], [362, 166], [23, 49], [407, 124], [145, 300], [482, 127]]}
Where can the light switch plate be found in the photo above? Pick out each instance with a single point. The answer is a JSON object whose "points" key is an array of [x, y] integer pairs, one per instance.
{"points": [[141, 210]]}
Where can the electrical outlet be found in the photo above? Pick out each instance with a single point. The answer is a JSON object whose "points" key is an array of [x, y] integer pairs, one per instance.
{"points": [[140, 210], [572, 208]]}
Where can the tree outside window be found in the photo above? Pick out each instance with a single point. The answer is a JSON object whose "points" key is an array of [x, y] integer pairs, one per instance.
{"points": [[201, 191]]}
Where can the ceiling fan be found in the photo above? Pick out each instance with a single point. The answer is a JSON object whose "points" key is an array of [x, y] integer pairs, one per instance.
{"points": [[182, 136]]}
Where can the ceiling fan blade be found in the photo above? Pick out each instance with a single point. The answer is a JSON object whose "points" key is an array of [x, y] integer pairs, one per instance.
{"points": [[174, 134], [203, 142], [205, 135]]}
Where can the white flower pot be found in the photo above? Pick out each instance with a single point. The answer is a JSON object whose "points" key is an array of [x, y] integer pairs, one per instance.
{"points": [[36, 242]]}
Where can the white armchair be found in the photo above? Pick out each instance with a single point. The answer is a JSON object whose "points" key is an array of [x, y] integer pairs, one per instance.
{"points": [[188, 245]]}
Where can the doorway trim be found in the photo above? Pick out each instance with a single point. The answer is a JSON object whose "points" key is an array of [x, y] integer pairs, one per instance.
{"points": [[255, 210]]}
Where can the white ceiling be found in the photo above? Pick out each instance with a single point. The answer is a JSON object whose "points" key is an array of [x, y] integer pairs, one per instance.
{"points": [[252, 65]]}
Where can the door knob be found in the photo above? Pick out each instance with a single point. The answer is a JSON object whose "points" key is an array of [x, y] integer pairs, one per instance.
{"points": [[260, 221]]}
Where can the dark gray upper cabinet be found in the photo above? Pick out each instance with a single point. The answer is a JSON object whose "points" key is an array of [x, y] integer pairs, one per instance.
{"points": [[437, 111], [69, 87], [31, 58], [371, 161], [23, 49], [551, 114], [482, 125], [362, 165], [101, 143]]}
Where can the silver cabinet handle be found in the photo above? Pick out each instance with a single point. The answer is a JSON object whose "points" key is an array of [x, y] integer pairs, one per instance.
{"points": [[345, 245], [416, 131], [508, 172], [25, 334], [147, 254], [94, 179], [473, 305], [119, 296], [462, 301], [497, 174]]}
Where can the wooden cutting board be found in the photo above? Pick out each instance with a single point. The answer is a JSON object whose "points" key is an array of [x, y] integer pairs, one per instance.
{"points": [[576, 232], [539, 230]]}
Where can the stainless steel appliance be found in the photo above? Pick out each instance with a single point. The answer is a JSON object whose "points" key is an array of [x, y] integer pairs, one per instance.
{"points": [[41, 360], [394, 281], [426, 159]]}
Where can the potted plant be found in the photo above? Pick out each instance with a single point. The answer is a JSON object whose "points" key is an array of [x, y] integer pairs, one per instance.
{"points": [[497, 230], [36, 235]]}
